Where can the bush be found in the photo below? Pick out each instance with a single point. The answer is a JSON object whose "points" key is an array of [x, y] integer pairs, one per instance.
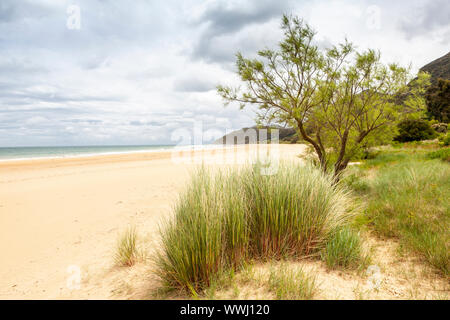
{"points": [[222, 220], [445, 140], [414, 130]]}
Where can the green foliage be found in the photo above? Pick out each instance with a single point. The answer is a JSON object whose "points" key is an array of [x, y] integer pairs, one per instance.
{"points": [[415, 130], [445, 139], [443, 154], [127, 252], [409, 200], [222, 221], [288, 283], [338, 104], [440, 127], [344, 249], [438, 100], [386, 158], [354, 182]]}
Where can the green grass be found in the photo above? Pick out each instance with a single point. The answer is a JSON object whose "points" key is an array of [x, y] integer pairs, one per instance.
{"points": [[442, 154], [289, 283], [126, 251], [225, 219], [408, 199], [344, 250]]}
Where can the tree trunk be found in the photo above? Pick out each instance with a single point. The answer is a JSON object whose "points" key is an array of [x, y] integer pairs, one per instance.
{"points": [[320, 154]]}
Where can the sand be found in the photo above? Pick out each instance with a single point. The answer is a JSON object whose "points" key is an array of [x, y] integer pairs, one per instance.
{"points": [[60, 218]]}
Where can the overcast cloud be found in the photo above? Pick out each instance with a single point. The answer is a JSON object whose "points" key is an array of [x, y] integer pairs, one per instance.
{"points": [[138, 71]]}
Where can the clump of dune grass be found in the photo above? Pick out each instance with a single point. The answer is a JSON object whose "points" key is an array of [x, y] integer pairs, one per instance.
{"points": [[344, 249], [292, 213], [207, 234], [289, 283], [127, 251], [224, 219], [411, 201]]}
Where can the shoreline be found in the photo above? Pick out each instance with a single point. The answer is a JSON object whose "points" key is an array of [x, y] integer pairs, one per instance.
{"points": [[178, 156], [193, 148]]}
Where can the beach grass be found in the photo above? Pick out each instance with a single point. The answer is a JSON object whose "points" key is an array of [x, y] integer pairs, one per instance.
{"points": [[407, 197], [126, 251], [410, 200], [344, 250], [289, 283], [223, 219]]}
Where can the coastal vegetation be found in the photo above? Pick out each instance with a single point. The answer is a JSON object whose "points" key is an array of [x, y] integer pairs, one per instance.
{"points": [[339, 100], [347, 106], [228, 219], [127, 252], [407, 191], [292, 283], [225, 222]]}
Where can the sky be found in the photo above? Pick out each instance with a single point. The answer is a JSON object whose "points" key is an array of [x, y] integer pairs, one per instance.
{"points": [[113, 72]]}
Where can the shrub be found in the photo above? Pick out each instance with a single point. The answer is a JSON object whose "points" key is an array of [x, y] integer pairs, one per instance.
{"points": [[414, 130], [222, 220], [445, 140], [291, 284]]}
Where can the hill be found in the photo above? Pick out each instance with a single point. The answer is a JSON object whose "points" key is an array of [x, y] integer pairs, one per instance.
{"points": [[439, 68], [246, 135]]}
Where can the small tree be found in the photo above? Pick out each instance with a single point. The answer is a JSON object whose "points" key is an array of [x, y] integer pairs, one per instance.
{"points": [[338, 99]]}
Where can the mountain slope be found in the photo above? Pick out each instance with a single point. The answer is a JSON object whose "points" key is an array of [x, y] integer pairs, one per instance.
{"points": [[248, 135], [439, 68]]}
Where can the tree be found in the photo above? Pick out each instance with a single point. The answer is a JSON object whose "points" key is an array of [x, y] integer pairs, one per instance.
{"points": [[338, 99], [438, 100], [414, 130]]}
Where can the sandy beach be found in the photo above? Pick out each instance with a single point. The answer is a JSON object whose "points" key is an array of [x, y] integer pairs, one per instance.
{"points": [[60, 218]]}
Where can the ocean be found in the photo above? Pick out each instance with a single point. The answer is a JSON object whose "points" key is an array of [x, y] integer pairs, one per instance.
{"points": [[22, 153]]}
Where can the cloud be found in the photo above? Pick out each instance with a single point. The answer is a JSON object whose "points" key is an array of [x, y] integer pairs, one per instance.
{"points": [[223, 19], [193, 85], [137, 71], [427, 17]]}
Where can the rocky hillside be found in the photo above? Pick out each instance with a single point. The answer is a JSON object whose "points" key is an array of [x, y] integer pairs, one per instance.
{"points": [[248, 135], [439, 68]]}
